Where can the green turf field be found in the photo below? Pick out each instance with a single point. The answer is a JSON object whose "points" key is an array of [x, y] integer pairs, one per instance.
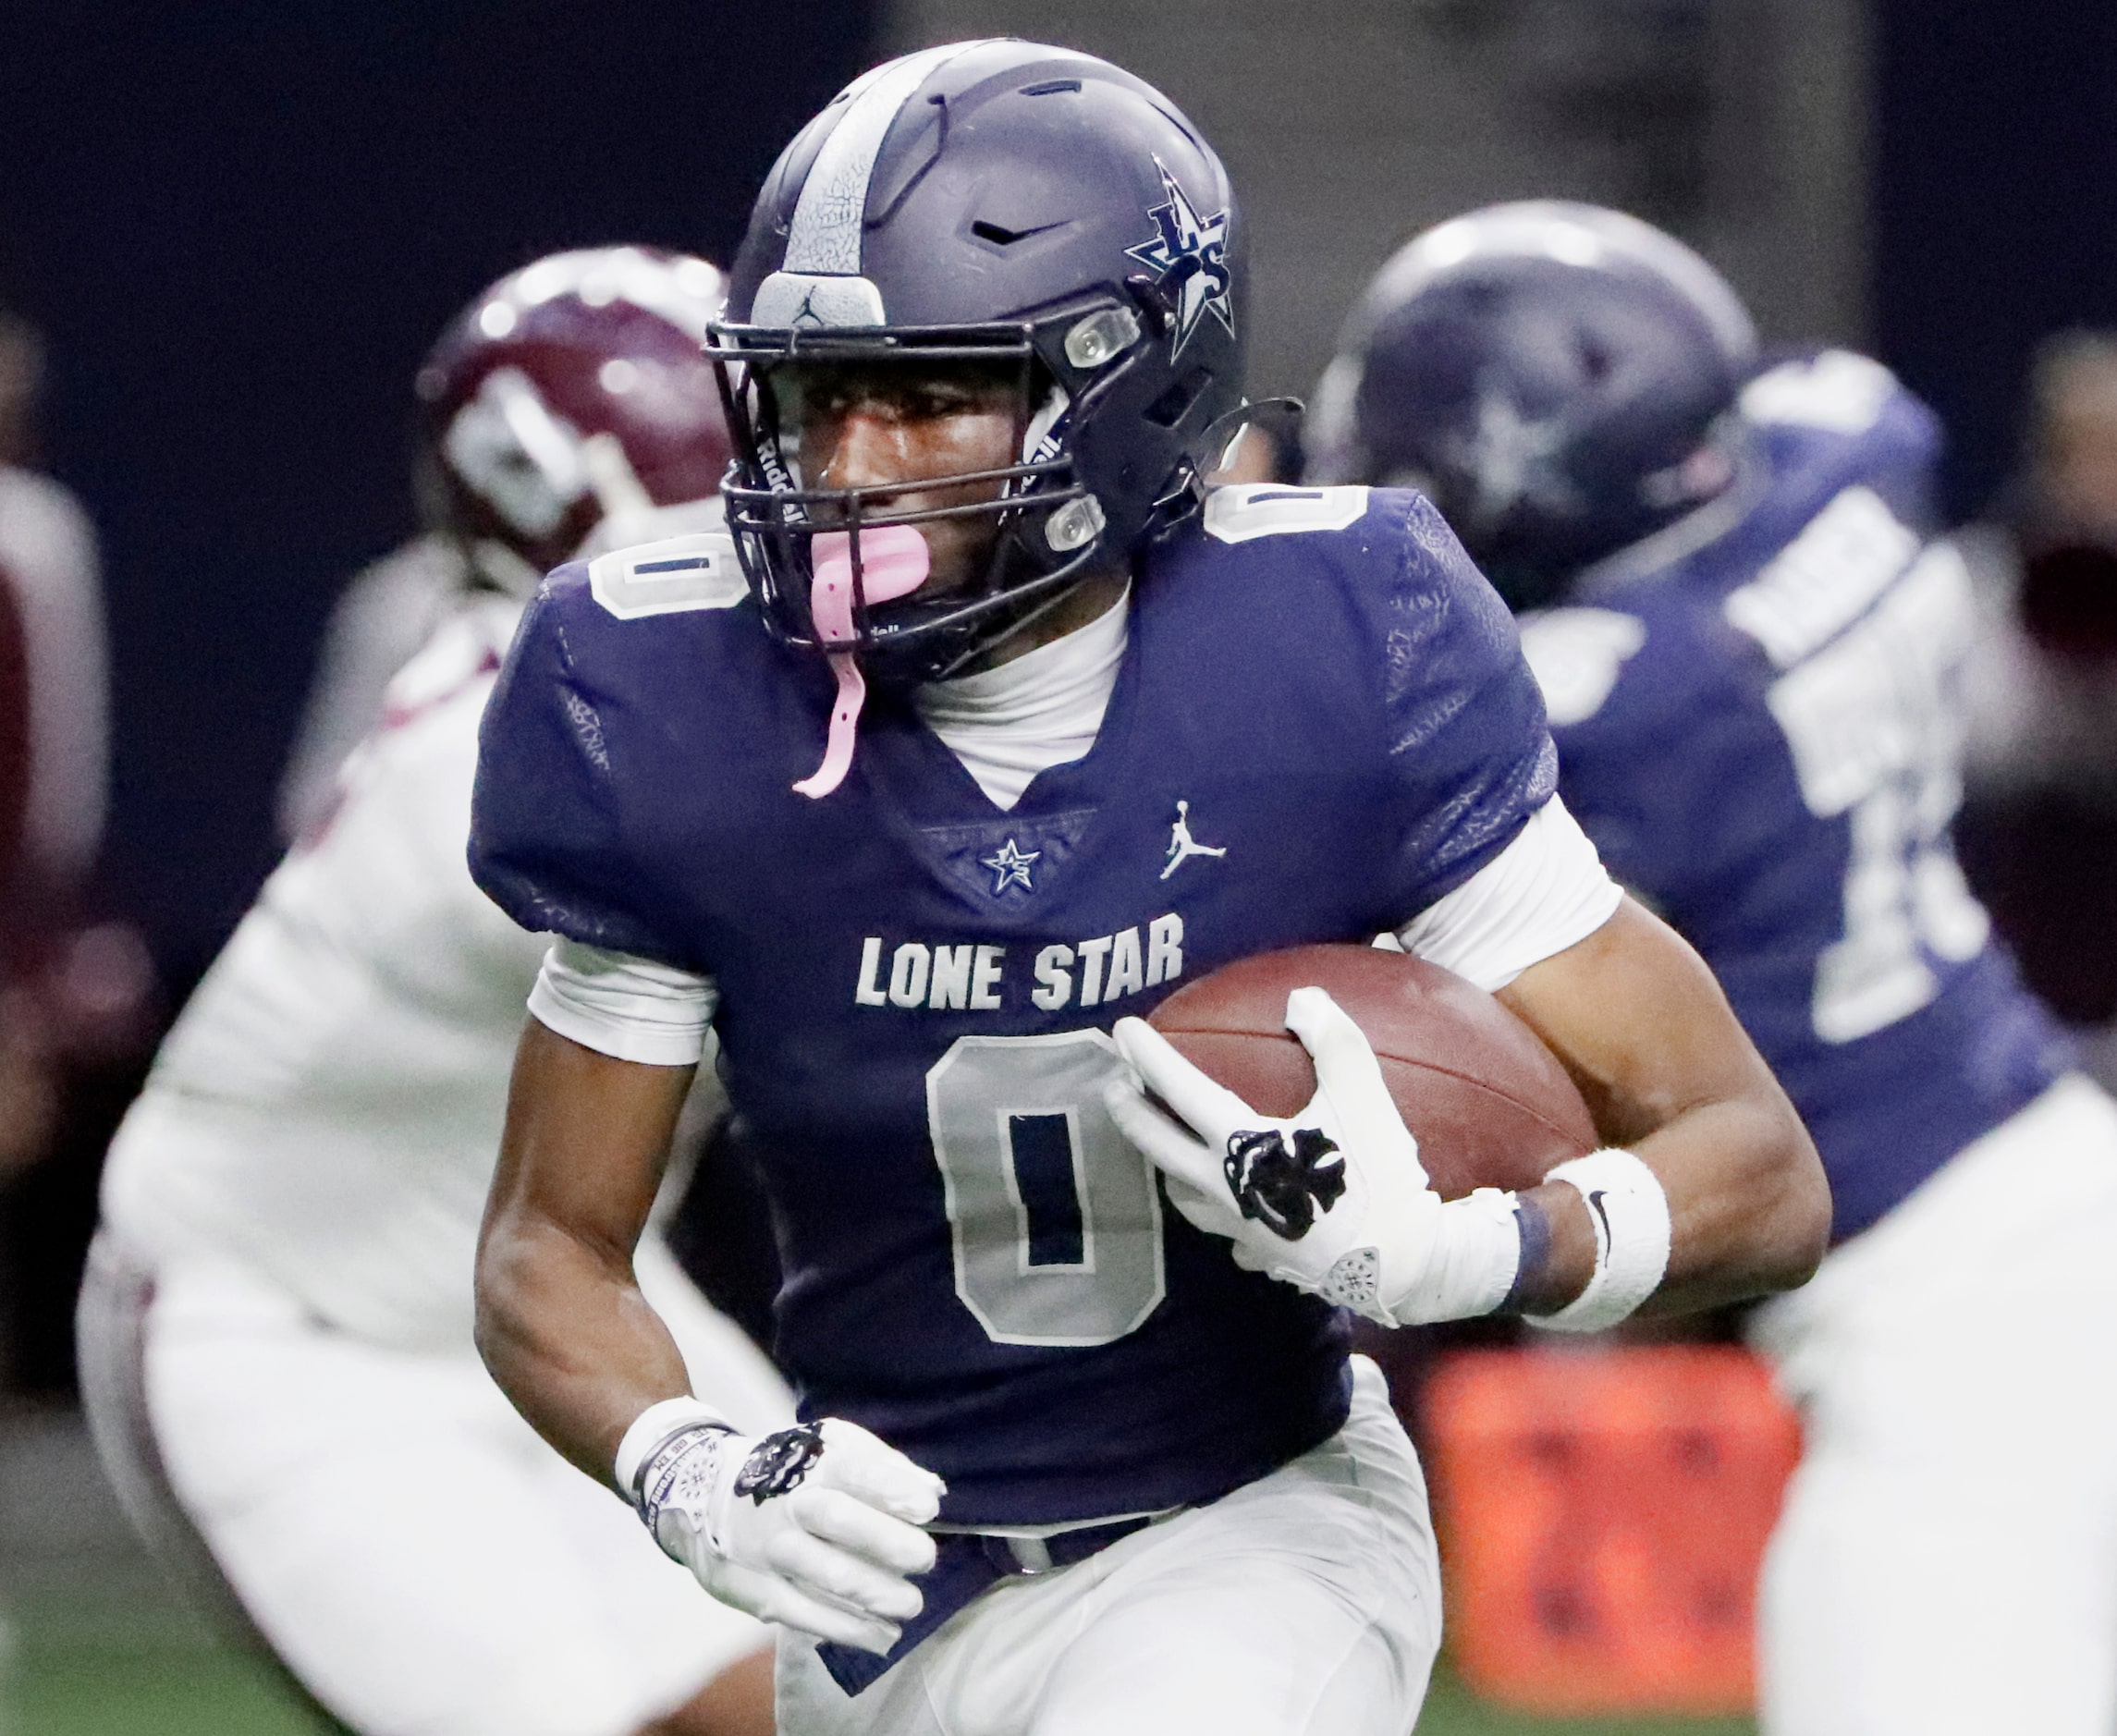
{"points": [[93, 1645], [65, 1679]]}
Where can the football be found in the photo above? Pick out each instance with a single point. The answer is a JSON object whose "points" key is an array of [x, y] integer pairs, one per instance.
{"points": [[1489, 1104]]}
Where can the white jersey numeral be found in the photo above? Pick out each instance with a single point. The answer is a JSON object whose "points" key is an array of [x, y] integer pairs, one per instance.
{"points": [[1825, 578], [1874, 726], [1056, 1220], [1837, 390], [1248, 510], [1576, 655], [671, 576]]}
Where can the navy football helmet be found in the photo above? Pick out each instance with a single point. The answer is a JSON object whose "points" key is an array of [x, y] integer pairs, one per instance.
{"points": [[570, 398], [990, 206], [1557, 378]]}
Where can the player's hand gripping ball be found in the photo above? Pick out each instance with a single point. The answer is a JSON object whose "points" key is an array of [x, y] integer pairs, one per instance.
{"points": [[815, 1527], [1333, 1200], [1336, 1197]]}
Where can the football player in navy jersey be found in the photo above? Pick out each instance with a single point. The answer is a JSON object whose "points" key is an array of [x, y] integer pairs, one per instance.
{"points": [[1750, 654], [985, 726]]}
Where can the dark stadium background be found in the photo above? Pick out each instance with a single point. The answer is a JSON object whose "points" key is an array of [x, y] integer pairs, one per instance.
{"points": [[240, 224]]}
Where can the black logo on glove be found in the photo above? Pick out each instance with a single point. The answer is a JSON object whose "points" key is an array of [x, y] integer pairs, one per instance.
{"points": [[778, 1462], [1282, 1188]]}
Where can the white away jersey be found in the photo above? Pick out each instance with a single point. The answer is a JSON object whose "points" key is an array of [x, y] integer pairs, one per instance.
{"points": [[328, 1108]]}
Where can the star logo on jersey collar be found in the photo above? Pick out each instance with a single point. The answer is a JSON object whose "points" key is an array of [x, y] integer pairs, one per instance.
{"points": [[1010, 867], [1188, 257]]}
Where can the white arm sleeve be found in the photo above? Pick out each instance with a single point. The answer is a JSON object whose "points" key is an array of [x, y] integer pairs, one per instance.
{"points": [[632, 1008], [1542, 893]]}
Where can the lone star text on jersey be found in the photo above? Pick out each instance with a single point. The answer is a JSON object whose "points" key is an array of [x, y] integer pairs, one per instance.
{"points": [[937, 976]]}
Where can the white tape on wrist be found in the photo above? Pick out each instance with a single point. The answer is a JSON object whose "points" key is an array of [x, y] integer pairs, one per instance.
{"points": [[1478, 1248], [652, 1430], [1629, 1213]]}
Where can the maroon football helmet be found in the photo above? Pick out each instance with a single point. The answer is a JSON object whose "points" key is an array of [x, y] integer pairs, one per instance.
{"points": [[570, 394]]}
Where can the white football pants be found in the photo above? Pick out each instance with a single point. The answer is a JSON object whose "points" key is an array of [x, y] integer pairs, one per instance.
{"points": [[1946, 1564], [418, 1558], [1305, 1604]]}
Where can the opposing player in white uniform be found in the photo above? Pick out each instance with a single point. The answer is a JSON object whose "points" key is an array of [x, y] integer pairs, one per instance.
{"points": [[276, 1328]]}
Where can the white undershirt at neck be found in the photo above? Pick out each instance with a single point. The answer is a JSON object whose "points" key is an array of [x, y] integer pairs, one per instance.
{"points": [[1040, 710]]}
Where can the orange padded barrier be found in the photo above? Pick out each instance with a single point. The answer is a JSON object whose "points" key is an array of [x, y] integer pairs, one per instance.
{"points": [[1603, 1514]]}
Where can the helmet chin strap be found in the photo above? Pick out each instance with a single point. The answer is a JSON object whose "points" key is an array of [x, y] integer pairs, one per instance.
{"points": [[894, 562]]}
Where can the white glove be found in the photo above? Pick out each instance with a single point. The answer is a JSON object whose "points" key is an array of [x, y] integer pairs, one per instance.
{"points": [[815, 1527], [1335, 1201]]}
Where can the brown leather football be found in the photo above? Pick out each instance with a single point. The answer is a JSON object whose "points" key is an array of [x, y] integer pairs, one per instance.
{"points": [[1489, 1103]]}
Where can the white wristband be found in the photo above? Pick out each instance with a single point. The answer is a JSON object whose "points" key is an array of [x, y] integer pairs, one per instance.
{"points": [[1478, 1248], [1629, 1213], [652, 1429]]}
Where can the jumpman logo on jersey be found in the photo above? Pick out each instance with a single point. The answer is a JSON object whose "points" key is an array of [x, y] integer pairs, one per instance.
{"points": [[1010, 867], [1183, 846]]}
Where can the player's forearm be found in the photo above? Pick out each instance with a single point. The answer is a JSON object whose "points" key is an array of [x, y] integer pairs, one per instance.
{"points": [[1749, 1208], [561, 1323], [1671, 1076], [1747, 1214], [570, 1340]]}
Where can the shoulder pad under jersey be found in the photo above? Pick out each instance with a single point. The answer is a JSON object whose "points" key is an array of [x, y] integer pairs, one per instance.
{"points": [[1245, 511], [697, 571]]}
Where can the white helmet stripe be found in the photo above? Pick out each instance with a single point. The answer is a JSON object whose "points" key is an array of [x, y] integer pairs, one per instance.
{"points": [[1589, 235], [825, 234]]}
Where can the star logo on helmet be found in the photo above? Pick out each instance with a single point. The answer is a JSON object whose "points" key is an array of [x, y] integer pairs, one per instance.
{"points": [[1009, 865], [1511, 455], [1188, 257]]}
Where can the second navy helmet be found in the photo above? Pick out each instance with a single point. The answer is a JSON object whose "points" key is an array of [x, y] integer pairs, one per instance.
{"points": [[1559, 377]]}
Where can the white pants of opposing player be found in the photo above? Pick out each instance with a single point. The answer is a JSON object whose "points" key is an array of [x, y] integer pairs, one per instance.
{"points": [[1947, 1560], [1305, 1604], [415, 1555]]}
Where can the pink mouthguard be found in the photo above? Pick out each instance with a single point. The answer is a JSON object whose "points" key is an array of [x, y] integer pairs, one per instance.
{"points": [[893, 563]]}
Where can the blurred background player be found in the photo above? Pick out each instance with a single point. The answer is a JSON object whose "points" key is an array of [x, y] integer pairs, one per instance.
{"points": [[503, 504], [2040, 821], [275, 1332], [54, 731], [387, 612], [74, 987], [1752, 661]]}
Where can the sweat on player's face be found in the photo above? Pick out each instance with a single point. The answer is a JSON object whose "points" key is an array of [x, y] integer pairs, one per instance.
{"points": [[867, 424]]}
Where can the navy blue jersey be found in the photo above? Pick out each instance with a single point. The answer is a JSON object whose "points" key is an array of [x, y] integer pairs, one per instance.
{"points": [[1322, 723], [1758, 723]]}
